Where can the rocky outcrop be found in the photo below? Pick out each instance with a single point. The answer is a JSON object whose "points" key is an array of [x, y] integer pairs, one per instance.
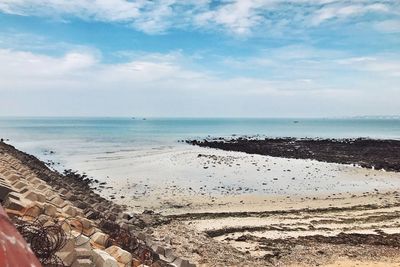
{"points": [[368, 153]]}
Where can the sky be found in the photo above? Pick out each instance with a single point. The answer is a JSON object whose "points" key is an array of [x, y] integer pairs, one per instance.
{"points": [[200, 58]]}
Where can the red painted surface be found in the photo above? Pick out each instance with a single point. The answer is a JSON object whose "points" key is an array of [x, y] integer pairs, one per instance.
{"points": [[14, 251]]}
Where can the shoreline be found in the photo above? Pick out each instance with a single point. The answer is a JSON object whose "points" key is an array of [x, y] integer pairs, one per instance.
{"points": [[364, 152]]}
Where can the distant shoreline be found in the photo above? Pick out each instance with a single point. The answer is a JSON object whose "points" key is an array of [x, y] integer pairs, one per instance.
{"points": [[368, 153]]}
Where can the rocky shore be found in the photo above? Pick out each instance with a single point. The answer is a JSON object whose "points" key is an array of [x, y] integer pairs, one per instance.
{"points": [[368, 153], [85, 228], [339, 230]]}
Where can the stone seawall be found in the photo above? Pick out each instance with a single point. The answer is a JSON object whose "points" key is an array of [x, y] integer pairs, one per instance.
{"points": [[93, 231]]}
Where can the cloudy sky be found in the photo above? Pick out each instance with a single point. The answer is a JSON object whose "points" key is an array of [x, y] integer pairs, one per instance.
{"points": [[199, 58]]}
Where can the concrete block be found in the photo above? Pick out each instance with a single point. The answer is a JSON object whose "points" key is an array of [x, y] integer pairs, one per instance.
{"points": [[93, 215], [80, 204], [12, 177], [83, 263], [20, 185], [58, 202], [4, 190], [34, 196], [103, 259], [69, 210], [83, 253], [13, 204], [67, 257], [41, 187], [119, 254], [34, 211], [69, 244], [15, 195], [87, 224], [36, 181], [63, 191], [70, 196], [82, 242], [49, 193], [49, 209], [99, 238]]}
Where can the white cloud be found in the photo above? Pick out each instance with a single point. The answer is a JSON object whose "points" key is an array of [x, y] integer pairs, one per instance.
{"points": [[80, 77], [339, 11], [388, 26], [83, 71], [383, 65], [240, 17]]}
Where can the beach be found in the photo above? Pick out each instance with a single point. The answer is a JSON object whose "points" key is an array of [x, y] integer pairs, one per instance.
{"points": [[230, 208]]}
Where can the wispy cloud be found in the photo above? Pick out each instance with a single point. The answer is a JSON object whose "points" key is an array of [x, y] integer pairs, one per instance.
{"points": [[388, 26], [239, 17], [296, 82]]}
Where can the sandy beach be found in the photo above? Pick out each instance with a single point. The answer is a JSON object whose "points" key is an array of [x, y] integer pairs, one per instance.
{"points": [[255, 210]]}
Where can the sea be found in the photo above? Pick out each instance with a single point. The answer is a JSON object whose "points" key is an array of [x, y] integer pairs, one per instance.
{"points": [[149, 152], [40, 135]]}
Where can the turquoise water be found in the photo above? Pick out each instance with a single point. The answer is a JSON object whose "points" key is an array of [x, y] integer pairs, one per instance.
{"points": [[149, 130], [116, 150], [35, 134], [83, 135]]}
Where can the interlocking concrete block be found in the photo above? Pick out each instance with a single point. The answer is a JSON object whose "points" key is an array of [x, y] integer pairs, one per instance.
{"points": [[80, 204], [15, 195], [49, 193], [34, 210], [4, 190], [83, 263], [13, 204], [99, 238], [67, 257], [63, 191], [58, 202], [69, 244], [69, 210], [34, 196], [30, 176], [20, 184], [103, 259], [93, 215], [119, 254], [41, 187], [70, 196], [83, 253], [83, 242], [12, 177], [86, 224], [36, 181], [49, 209]]}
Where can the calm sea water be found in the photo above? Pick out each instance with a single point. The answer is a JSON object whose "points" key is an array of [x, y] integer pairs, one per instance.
{"points": [[147, 152], [97, 135]]}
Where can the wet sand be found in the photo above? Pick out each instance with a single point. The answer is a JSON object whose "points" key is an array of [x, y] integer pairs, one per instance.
{"points": [[231, 208]]}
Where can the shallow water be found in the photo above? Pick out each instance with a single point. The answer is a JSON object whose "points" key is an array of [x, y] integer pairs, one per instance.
{"points": [[143, 157]]}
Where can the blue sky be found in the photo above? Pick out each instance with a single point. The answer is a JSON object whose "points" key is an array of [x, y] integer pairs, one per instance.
{"points": [[237, 58]]}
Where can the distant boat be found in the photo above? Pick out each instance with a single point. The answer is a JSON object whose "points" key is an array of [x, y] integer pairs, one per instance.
{"points": [[295, 121], [144, 119]]}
